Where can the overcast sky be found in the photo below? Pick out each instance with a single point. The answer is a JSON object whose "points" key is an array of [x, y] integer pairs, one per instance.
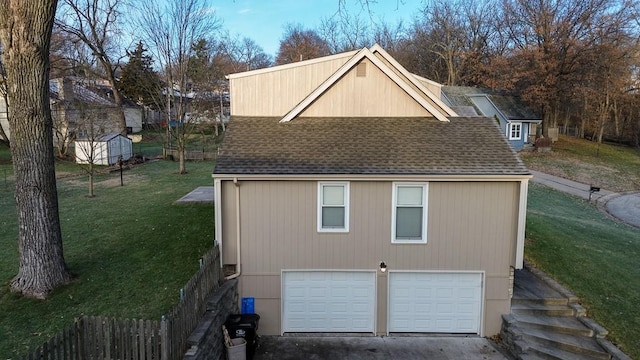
{"points": [[264, 20]]}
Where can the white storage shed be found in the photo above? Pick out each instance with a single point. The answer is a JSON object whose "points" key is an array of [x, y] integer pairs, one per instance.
{"points": [[104, 150]]}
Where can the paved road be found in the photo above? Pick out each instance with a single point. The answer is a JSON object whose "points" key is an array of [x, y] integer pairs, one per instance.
{"points": [[625, 207]]}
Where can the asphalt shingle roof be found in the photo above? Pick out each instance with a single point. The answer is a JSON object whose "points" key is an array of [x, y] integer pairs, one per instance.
{"points": [[374, 146]]}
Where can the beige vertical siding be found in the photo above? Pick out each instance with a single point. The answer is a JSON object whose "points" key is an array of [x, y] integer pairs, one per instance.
{"points": [[436, 89], [372, 95], [471, 226], [410, 83], [274, 93]]}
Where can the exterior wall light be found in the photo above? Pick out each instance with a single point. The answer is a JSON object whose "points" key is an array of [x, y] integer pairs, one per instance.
{"points": [[383, 267]]}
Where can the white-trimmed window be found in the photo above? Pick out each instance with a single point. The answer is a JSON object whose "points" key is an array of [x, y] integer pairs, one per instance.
{"points": [[515, 131], [333, 207], [409, 218]]}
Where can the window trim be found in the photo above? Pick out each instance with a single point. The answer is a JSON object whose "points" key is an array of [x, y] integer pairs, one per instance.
{"points": [[346, 195], [510, 130], [394, 205]]}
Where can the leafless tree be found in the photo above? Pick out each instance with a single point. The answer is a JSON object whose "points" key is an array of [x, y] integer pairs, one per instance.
{"points": [[25, 31], [550, 39], [234, 54], [345, 32], [170, 29], [451, 39], [299, 44], [96, 24], [92, 126]]}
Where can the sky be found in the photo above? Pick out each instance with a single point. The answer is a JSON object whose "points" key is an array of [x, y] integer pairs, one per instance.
{"points": [[264, 20]]}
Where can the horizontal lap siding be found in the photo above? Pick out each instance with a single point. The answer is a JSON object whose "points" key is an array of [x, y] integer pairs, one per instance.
{"points": [[471, 226]]}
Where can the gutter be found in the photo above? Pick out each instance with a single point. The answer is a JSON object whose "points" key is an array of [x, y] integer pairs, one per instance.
{"points": [[238, 264]]}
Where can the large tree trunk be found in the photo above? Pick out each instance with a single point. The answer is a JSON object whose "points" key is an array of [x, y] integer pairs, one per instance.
{"points": [[117, 98], [25, 31]]}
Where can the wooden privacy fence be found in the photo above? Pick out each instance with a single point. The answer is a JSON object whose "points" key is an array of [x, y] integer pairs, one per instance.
{"points": [[98, 338], [190, 154], [95, 337]]}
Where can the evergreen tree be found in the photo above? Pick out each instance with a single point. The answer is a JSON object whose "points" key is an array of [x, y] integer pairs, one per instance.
{"points": [[139, 81]]}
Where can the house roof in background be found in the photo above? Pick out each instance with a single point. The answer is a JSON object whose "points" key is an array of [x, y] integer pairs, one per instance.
{"points": [[80, 93], [510, 106], [366, 146], [513, 108], [93, 92]]}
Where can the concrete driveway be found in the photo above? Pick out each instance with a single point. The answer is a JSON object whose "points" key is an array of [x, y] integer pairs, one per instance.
{"points": [[375, 347]]}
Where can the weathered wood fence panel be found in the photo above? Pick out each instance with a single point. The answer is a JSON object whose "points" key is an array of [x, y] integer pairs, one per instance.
{"points": [[190, 154], [98, 338]]}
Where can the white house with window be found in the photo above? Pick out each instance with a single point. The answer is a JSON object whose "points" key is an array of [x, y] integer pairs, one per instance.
{"points": [[353, 200]]}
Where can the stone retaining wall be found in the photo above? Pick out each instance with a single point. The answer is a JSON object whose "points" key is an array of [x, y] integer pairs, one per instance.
{"points": [[206, 341]]}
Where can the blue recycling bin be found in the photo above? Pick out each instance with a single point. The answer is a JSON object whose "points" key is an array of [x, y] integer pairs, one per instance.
{"points": [[248, 305]]}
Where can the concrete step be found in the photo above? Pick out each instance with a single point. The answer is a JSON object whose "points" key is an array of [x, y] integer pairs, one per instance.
{"points": [[576, 344], [540, 301], [548, 353], [558, 324], [531, 356], [541, 310]]}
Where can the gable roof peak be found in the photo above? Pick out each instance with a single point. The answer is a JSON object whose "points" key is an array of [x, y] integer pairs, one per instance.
{"points": [[393, 70]]}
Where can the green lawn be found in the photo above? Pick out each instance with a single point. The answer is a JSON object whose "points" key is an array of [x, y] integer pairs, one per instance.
{"points": [[613, 167], [130, 248], [594, 256]]}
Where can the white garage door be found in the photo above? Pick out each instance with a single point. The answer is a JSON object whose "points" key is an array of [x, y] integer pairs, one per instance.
{"points": [[435, 302], [328, 301]]}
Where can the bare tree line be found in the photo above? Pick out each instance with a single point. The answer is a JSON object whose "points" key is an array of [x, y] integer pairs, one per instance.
{"points": [[575, 62]]}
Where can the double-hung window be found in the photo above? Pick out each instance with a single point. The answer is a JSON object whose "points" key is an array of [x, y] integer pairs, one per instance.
{"points": [[333, 207], [515, 131], [409, 218]]}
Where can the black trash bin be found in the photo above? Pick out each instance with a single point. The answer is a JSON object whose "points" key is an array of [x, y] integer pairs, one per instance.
{"points": [[244, 326]]}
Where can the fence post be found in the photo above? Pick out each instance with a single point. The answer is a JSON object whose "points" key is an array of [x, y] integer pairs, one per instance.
{"points": [[164, 339]]}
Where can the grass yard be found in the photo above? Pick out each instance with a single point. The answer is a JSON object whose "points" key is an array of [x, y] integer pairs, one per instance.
{"points": [[594, 256], [613, 167], [130, 248]]}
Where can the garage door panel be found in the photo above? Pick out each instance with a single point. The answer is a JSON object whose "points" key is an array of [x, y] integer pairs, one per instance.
{"points": [[331, 301], [435, 302]]}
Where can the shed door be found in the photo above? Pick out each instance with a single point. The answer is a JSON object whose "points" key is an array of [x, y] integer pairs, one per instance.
{"points": [[435, 302], [328, 301]]}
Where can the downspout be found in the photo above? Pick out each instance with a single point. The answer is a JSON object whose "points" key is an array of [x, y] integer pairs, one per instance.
{"points": [[238, 265], [522, 222]]}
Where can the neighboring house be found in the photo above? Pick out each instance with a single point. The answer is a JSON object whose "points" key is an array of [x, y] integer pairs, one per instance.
{"points": [[73, 98], [335, 169], [106, 149], [77, 102], [518, 123]]}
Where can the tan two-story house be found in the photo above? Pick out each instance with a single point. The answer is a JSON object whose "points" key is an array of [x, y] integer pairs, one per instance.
{"points": [[349, 198]]}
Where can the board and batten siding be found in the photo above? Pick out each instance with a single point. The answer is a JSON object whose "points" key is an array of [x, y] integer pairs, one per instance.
{"points": [[430, 87], [373, 94], [275, 92], [472, 226]]}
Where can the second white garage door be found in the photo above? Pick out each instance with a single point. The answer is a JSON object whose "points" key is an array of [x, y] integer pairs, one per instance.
{"points": [[435, 302], [328, 301]]}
